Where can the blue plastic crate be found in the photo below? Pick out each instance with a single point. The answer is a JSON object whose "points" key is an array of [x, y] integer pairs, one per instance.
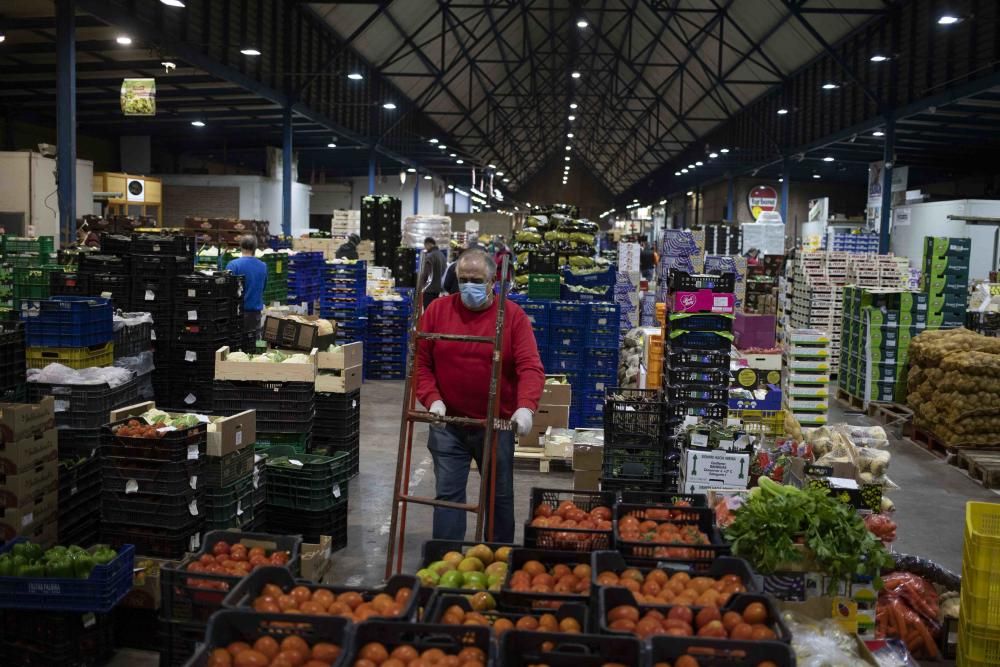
{"points": [[597, 279], [537, 312], [566, 294], [99, 593], [608, 338], [592, 403], [569, 313], [604, 314], [604, 360], [564, 359], [68, 321], [592, 382], [541, 336], [566, 336], [590, 421]]}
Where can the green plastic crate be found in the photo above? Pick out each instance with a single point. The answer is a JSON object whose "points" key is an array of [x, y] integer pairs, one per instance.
{"points": [[16, 245], [232, 504], [267, 441], [543, 286]]}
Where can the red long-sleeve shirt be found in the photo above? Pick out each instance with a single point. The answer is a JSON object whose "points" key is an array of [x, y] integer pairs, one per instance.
{"points": [[458, 373]]}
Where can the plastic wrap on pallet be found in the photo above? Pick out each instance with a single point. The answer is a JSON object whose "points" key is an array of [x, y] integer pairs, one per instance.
{"points": [[929, 570], [59, 374], [678, 242], [140, 364], [418, 227], [626, 295]]}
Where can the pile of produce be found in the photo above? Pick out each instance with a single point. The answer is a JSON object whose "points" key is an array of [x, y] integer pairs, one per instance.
{"points": [[271, 357], [680, 588], [27, 559], [629, 359], [572, 523], [375, 653], [456, 615], [908, 609], [651, 531], [822, 643], [752, 624], [234, 560], [835, 444], [478, 569], [536, 578], [323, 602], [779, 525], [268, 650], [954, 386]]}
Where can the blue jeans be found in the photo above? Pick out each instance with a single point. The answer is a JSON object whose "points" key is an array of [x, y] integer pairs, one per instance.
{"points": [[453, 448]]}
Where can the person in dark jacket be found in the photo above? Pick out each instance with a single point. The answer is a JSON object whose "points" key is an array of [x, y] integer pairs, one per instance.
{"points": [[431, 271], [349, 249], [647, 260]]}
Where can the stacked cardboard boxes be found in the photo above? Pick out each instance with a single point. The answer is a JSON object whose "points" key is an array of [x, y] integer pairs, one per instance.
{"points": [[29, 472], [946, 280], [553, 410], [807, 375], [588, 459]]}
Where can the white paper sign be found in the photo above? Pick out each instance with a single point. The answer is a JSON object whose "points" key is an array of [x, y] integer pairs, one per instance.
{"points": [[193, 507], [131, 486], [190, 355], [193, 453], [150, 296]]}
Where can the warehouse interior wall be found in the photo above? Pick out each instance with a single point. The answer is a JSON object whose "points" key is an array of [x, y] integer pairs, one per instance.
{"points": [[582, 188], [328, 197], [28, 186]]}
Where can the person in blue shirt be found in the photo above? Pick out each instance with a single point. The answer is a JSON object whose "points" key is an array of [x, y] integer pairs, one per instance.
{"points": [[254, 274]]}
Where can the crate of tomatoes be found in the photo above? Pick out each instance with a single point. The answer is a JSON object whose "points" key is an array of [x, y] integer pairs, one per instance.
{"points": [[570, 520], [420, 644], [546, 579], [250, 638], [701, 652], [451, 609], [276, 590], [726, 577], [525, 649], [647, 535], [195, 588]]}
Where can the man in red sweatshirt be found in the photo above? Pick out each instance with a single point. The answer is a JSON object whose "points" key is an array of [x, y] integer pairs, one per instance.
{"points": [[453, 378]]}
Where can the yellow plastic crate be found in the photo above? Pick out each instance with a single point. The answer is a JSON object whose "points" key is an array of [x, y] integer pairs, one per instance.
{"points": [[981, 610], [982, 525], [977, 646], [768, 422], [73, 357], [981, 575]]}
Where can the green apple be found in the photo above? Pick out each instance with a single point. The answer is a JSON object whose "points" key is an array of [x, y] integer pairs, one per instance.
{"points": [[477, 579], [471, 564], [494, 579], [440, 567], [475, 586], [428, 577], [451, 579], [482, 552]]}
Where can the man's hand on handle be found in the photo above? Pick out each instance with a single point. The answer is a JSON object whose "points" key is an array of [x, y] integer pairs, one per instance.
{"points": [[438, 408], [522, 419]]}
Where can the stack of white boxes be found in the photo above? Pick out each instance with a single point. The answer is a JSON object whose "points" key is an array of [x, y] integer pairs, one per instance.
{"points": [[808, 358], [553, 410], [818, 296], [345, 223]]}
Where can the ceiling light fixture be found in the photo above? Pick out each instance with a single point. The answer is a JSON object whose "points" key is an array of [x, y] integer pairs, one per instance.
{"points": [[355, 76], [780, 179], [452, 154], [815, 175], [499, 173], [698, 164], [582, 23], [712, 156], [492, 166], [506, 180], [684, 171], [389, 105], [250, 51], [411, 170], [567, 158], [571, 118], [723, 150], [331, 145], [434, 141], [691, 166], [428, 177], [172, 3], [124, 40], [569, 148], [441, 147], [198, 123], [878, 58], [3, 38], [690, 193], [569, 135], [782, 111], [948, 19], [828, 158], [677, 173], [167, 64], [878, 133], [830, 86], [573, 105], [459, 161], [575, 75]]}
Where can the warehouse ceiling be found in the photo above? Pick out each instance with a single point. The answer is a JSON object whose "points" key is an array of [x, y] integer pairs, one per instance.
{"points": [[654, 75]]}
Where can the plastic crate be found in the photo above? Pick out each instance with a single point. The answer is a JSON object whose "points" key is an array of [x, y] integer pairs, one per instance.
{"points": [[543, 261], [116, 244], [99, 593], [298, 442], [612, 561], [73, 357], [602, 360], [169, 511], [569, 539], [604, 337], [246, 626], [308, 472], [693, 392], [161, 265], [55, 639], [16, 245], [646, 497], [569, 313], [537, 312], [252, 586], [133, 339], [311, 525], [69, 284], [156, 542], [698, 557], [422, 636], [633, 418], [549, 558], [682, 281], [150, 476], [677, 357], [701, 340], [221, 471], [12, 355], [101, 263], [637, 465], [69, 321], [229, 506], [691, 408], [525, 649], [190, 596], [700, 322], [697, 376], [719, 652], [177, 445], [85, 406], [158, 244], [442, 602], [543, 286]]}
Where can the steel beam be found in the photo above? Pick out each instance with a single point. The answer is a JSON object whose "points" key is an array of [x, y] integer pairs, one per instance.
{"points": [[371, 171], [731, 199], [286, 173], [66, 117], [786, 183], [888, 163]]}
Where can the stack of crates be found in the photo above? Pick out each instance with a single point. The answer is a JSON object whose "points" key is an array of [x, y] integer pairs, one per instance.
{"points": [[258, 480], [74, 331], [28, 493], [404, 267], [381, 222], [634, 456], [208, 315], [276, 289], [153, 488], [229, 489], [946, 280], [12, 362], [544, 286], [109, 276], [7, 311], [285, 410], [338, 427], [307, 496], [979, 621], [386, 343], [29, 262], [807, 375], [343, 299], [80, 484], [538, 315], [305, 278]]}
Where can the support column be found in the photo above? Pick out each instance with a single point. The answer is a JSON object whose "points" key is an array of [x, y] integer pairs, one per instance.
{"points": [[697, 208], [786, 180], [888, 158], [66, 116], [731, 200], [286, 174], [371, 171], [416, 194]]}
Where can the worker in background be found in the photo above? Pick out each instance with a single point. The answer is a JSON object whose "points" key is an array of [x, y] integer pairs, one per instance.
{"points": [[453, 379], [647, 260], [349, 248], [254, 274], [500, 251], [431, 271]]}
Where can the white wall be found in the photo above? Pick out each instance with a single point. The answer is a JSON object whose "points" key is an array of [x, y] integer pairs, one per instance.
{"points": [[327, 197], [427, 202], [260, 198], [37, 196]]}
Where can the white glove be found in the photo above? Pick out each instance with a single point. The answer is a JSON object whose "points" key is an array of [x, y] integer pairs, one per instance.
{"points": [[438, 408], [521, 419]]}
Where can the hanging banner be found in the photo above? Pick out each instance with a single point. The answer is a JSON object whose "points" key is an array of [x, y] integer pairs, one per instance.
{"points": [[762, 198], [138, 97]]}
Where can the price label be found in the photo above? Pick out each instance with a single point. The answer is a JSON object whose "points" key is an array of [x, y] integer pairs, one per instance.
{"points": [[192, 315], [190, 355], [150, 296], [296, 462], [239, 438], [193, 453], [27, 519], [131, 486], [156, 247], [190, 399], [601, 321], [336, 490], [194, 543], [61, 405], [239, 508], [89, 620], [193, 507], [72, 491], [106, 295], [194, 481], [192, 293], [152, 334], [256, 478]]}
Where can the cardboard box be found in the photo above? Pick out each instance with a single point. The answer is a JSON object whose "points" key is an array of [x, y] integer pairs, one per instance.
{"points": [[532, 439], [345, 356], [558, 443], [342, 381], [823, 607], [842, 478], [26, 453], [145, 593], [45, 535], [760, 362], [557, 394], [588, 457], [21, 489], [248, 370], [723, 469], [225, 434], [586, 480], [20, 420], [316, 559], [16, 521], [296, 335], [770, 399], [552, 415]]}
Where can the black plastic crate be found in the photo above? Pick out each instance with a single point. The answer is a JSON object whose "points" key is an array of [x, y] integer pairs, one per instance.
{"points": [[568, 539], [638, 464], [118, 288], [85, 406], [612, 561], [77, 443], [705, 341], [700, 322], [78, 473], [162, 265], [293, 398], [312, 524], [422, 636], [224, 470], [646, 497], [69, 284], [132, 339], [182, 444], [156, 244], [243, 594], [702, 376], [151, 476], [442, 602], [178, 641], [632, 417], [682, 281], [155, 542], [138, 509], [524, 649], [694, 392], [543, 261], [548, 558], [55, 639], [720, 652], [693, 408], [209, 286], [92, 263], [699, 556], [115, 244], [678, 357], [12, 356]]}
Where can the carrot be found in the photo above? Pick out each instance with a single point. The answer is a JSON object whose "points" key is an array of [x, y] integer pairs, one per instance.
{"points": [[932, 650], [900, 621]]}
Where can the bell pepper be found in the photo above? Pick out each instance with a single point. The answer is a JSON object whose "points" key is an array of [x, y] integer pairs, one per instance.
{"points": [[104, 555], [6, 566], [21, 549], [33, 570], [83, 565], [60, 568]]}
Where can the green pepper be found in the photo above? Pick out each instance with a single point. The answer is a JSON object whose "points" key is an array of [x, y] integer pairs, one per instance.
{"points": [[7, 567], [104, 555], [60, 568], [21, 549], [33, 570], [34, 551], [83, 565]]}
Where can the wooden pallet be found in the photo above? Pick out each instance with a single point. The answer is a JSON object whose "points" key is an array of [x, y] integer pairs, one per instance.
{"points": [[850, 400], [982, 465], [927, 440], [537, 454], [890, 415]]}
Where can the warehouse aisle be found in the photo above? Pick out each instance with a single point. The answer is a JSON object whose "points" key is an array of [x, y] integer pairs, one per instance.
{"points": [[930, 501]]}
